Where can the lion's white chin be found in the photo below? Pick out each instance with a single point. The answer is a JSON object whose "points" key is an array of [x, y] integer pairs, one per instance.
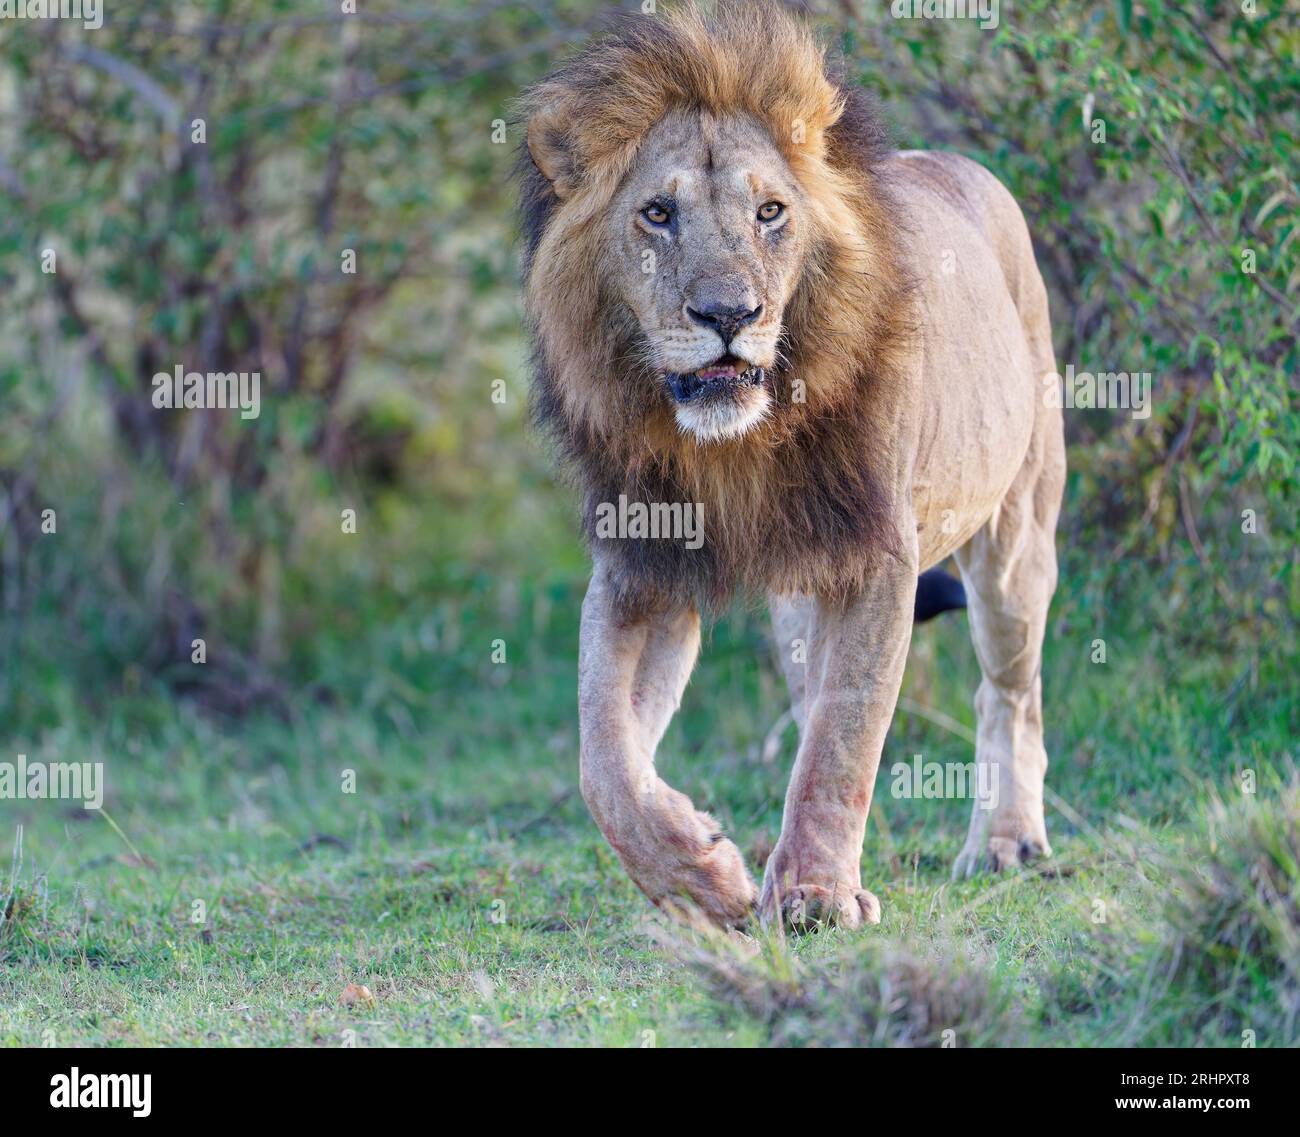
{"points": [[712, 420]]}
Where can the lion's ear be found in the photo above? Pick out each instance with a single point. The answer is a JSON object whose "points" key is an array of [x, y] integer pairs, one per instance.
{"points": [[551, 147]]}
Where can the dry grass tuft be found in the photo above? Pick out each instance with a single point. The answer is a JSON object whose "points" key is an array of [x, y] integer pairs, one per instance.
{"points": [[873, 993]]}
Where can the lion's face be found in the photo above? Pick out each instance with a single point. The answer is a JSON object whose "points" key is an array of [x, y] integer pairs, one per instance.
{"points": [[718, 299], [710, 245]]}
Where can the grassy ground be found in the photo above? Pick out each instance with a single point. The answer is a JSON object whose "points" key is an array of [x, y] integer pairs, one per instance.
{"points": [[463, 884]]}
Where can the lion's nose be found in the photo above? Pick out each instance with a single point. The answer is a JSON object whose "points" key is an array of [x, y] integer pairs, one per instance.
{"points": [[724, 319]]}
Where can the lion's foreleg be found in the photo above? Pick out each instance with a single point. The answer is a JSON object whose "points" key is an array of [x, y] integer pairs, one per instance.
{"points": [[856, 653], [631, 675]]}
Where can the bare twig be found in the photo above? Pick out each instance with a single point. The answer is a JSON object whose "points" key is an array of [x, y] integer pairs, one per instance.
{"points": [[168, 109]]}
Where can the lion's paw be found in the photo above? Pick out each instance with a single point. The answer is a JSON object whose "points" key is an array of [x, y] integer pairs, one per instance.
{"points": [[811, 907], [999, 854], [714, 884]]}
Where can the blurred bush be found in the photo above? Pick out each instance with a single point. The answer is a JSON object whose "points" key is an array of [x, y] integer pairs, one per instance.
{"points": [[201, 172], [205, 177]]}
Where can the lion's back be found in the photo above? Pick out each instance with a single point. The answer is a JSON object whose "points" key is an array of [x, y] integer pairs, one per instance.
{"points": [[985, 332], [985, 205]]}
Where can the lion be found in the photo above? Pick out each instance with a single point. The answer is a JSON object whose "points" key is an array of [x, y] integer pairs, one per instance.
{"points": [[743, 302]]}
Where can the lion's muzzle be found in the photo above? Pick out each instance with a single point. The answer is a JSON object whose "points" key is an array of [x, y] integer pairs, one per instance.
{"points": [[727, 378]]}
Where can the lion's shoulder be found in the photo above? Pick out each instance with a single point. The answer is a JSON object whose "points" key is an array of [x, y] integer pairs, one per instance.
{"points": [[933, 180], [960, 182]]}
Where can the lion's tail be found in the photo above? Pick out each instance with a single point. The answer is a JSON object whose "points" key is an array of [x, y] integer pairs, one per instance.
{"points": [[937, 592]]}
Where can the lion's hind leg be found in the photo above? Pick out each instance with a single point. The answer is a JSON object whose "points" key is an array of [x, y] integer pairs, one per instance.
{"points": [[792, 618], [1009, 569]]}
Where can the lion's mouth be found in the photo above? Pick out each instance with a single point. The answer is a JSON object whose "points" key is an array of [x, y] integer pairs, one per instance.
{"points": [[723, 377]]}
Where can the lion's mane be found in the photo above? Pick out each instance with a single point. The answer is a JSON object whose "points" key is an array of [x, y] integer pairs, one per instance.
{"points": [[794, 504]]}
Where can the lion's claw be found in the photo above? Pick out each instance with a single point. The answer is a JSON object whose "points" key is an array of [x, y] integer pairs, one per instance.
{"points": [[999, 855], [811, 907]]}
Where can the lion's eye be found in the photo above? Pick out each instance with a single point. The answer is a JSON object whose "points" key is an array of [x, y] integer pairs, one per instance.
{"points": [[655, 214], [770, 210]]}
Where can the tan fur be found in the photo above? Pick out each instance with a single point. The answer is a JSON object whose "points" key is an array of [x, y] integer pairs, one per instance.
{"points": [[911, 311]]}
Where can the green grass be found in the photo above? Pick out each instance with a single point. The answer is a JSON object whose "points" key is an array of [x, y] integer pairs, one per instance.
{"points": [[465, 886]]}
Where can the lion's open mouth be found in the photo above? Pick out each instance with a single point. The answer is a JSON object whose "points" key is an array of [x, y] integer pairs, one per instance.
{"points": [[722, 377]]}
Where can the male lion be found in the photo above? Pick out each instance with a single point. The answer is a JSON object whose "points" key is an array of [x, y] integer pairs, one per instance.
{"points": [[741, 298]]}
